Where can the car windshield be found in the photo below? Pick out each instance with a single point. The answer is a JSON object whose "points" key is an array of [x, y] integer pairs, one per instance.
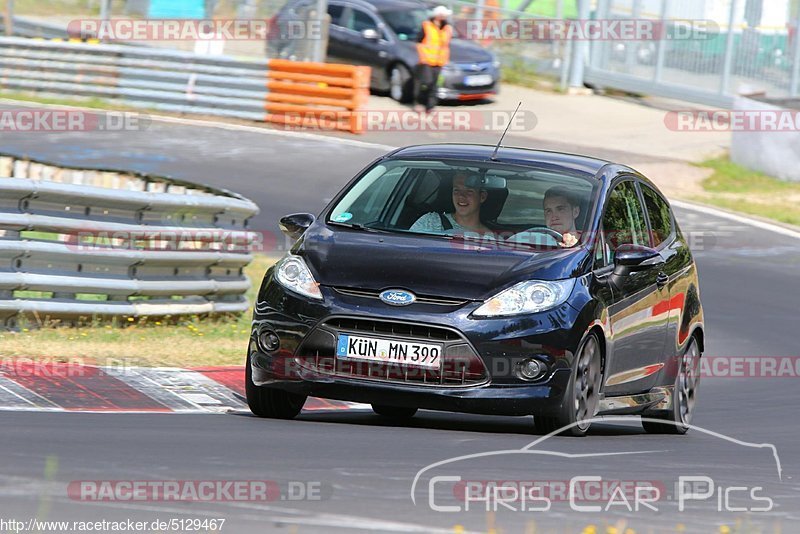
{"points": [[524, 205], [406, 23]]}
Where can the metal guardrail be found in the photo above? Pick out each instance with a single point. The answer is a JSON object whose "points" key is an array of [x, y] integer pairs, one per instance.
{"points": [[710, 65], [85, 243], [183, 82], [25, 27]]}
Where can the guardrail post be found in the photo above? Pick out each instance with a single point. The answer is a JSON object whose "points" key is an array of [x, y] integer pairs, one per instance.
{"points": [[794, 85], [8, 17], [479, 8], [318, 50], [632, 49], [566, 68], [580, 49], [661, 51], [598, 48], [730, 43]]}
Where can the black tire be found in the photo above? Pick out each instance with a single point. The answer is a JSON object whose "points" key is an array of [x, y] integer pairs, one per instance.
{"points": [[395, 412], [270, 402], [582, 397], [401, 84], [684, 396]]}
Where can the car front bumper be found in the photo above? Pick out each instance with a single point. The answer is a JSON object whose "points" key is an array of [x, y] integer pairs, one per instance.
{"points": [[490, 383], [454, 85]]}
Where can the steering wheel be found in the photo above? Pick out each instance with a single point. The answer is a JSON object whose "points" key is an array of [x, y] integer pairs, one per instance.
{"points": [[542, 230]]}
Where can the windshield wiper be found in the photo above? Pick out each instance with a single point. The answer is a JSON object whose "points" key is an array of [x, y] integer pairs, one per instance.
{"points": [[358, 226]]}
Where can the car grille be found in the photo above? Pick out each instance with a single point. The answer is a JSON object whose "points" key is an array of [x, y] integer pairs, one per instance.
{"points": [[461, 366], [472, 68], [421, 299]]}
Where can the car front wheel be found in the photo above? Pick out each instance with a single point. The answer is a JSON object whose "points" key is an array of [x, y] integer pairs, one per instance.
{"points": [[401, 84], [679, 418], [270, 402], [582, 396]]}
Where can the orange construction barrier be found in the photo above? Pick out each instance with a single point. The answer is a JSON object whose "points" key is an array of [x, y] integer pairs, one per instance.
{"points": [[317, 95]]}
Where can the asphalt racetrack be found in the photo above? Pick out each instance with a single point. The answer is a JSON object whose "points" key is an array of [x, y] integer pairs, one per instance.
{"points": [[353, 470]]}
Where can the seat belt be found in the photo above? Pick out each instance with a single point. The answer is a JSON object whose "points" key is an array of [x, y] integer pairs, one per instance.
{"points": [[445, 222]]}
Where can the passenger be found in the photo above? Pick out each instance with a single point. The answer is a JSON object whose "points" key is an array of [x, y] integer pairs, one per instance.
{"points": [[467, 215]]}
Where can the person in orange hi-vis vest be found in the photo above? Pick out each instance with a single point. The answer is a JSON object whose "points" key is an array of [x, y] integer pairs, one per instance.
{"points": [[433, 47]]}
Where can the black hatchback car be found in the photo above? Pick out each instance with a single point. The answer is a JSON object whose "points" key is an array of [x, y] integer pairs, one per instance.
{"points": [[382, 34], [453, 277]]}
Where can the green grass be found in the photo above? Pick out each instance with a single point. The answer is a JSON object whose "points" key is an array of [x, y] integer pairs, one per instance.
{"points": [[547, 8], [519, 72], [146, 341], [56, 7], [86, 102], [740, 189]]}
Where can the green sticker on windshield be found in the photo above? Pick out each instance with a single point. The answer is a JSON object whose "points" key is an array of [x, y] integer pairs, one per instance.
{"points": [[343, 217]]}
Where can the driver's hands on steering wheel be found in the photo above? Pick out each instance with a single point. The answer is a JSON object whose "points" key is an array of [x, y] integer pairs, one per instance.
{"points": [[568, 241]]}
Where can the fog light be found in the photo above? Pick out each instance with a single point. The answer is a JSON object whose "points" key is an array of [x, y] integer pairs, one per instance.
{"points": [[269, 341], [531, 369]]}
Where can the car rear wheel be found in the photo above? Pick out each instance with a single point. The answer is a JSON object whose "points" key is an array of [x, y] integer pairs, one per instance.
{"points": [[401, 84], [396, 412], [270, 402], [582, 396], [684, 396]]}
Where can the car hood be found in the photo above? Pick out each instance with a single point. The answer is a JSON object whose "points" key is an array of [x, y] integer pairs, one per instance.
{"points": [[461, 51], [347, 258]]}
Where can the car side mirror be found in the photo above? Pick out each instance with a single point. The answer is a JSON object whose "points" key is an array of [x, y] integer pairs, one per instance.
{"points": [[370, 34], [629, 258], [294, 225]]}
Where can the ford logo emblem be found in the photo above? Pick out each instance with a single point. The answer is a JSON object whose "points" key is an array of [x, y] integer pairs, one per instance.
{"points": [[398, 297]]}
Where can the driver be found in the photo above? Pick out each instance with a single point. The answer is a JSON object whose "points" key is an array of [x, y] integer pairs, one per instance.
{"points": [[467, 215], [560, 211]]}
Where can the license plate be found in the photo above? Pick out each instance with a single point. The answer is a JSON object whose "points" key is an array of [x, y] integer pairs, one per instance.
{"points": [[478, 79], [373, 349]]}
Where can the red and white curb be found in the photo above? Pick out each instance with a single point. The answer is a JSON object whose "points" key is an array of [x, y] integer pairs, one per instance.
{"points": [[34, 386]]}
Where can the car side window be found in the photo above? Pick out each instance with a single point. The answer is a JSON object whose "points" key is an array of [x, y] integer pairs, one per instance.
{"points": [[335, 12], [602, 252], [359, 21], [659, 214], [623, 220]]}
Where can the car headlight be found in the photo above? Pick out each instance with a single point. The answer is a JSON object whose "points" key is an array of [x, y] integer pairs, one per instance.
{"points": [[527, 297], [496, 63], [293, 274]]}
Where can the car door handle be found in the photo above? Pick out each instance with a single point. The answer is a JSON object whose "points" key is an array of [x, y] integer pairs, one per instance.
{"points": [[662, 279]]}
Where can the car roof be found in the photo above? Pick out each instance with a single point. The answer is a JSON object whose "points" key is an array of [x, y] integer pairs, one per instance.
{"points": [[513, 155], [385, 5]]}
